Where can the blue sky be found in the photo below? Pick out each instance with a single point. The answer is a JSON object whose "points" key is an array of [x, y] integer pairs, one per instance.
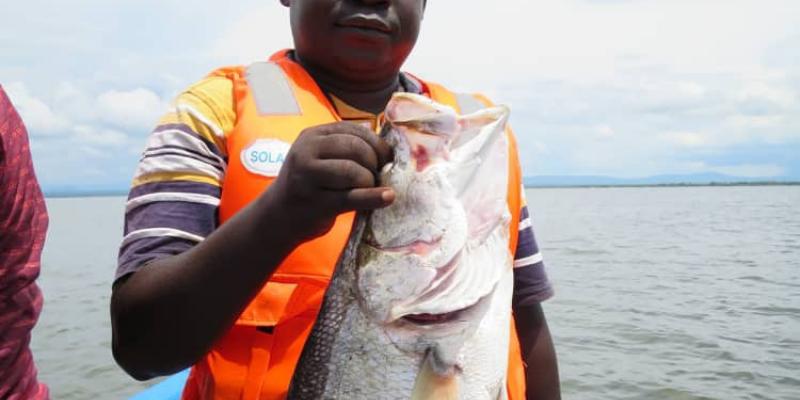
{"points": [[602, 87]]}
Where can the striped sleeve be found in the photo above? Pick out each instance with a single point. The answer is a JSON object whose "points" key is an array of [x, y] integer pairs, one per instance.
{"points": [[173, 201], [531, 284]]}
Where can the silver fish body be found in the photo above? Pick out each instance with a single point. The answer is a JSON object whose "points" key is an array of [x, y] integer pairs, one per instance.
{"points": [[419, 305]]}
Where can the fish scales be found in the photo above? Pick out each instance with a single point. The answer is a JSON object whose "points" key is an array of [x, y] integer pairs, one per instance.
{"points": [[419, 303], [312, 372]]}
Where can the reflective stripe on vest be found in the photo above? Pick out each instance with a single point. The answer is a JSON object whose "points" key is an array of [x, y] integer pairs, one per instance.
{"points": [[271, 90], [256, 358]]}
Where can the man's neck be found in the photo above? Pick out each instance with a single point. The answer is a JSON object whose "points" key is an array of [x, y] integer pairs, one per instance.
{"points": [[368, 95]]}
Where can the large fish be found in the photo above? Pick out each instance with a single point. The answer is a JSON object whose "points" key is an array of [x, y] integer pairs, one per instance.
{"points": [[420, 301]]}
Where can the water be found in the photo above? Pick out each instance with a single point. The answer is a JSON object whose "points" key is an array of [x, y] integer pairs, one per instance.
{"points": [[674, 293], [72, 341], [661, 293]]}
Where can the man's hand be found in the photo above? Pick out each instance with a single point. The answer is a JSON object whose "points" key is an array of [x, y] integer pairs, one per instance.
{"points": [[331, 169]]}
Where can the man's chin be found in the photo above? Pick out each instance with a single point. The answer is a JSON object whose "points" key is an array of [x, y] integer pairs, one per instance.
{"points": [[365, 62]]}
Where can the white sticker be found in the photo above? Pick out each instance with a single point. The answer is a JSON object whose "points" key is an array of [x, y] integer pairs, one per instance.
{"points": [[265, 156]]}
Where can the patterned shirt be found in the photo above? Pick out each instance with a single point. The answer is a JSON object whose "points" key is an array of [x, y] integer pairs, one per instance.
{"points": [[176, 190], [23, 223]]}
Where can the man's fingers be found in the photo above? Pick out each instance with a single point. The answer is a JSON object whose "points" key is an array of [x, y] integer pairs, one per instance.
{"points": [[341, 175], [349, 147], [381, 148], [338, 163], [366, 199]]}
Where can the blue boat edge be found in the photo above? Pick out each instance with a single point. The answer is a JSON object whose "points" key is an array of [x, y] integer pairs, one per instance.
{"points": [[168, 389]]}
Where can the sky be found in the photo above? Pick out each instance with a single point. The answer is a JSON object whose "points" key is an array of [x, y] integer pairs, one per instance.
{"points": [[622, 88]]}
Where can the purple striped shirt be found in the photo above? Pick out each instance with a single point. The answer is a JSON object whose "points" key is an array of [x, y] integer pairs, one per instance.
{"points": [[168, 216]]}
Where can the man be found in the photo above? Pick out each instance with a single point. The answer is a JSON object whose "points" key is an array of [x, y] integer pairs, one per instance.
{"points": [[23, 224], [214, 269]]}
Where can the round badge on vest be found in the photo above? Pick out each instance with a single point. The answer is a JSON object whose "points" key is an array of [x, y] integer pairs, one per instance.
{"points": [[265, 156]]}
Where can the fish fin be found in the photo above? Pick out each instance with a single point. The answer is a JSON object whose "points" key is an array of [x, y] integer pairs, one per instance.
{"points": [[432, 386], [479, 151], [480, 175], [475, 124]]}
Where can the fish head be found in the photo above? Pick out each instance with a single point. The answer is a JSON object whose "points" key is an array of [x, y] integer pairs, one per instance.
{"points": [[420, 131], [429, 263]]}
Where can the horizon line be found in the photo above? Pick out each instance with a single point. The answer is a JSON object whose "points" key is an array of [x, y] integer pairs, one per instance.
{"points": [[73, 193]]}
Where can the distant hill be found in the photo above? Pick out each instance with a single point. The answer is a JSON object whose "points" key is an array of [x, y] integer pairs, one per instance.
{"points": [[657, 180], [84, 190], [530, 181]]}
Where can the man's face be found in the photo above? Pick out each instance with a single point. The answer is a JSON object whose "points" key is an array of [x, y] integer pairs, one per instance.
{"points": [[351, 38]]}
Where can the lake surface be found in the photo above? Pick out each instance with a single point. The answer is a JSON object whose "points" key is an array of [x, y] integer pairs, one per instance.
{"points": [[661, 293]]}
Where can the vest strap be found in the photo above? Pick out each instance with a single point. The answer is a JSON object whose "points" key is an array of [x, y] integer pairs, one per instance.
{"points": [[271, 90]]}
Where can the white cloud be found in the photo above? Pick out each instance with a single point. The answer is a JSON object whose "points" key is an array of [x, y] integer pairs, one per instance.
{"points": [[665, 93], [581, 41], [603, 131], [686, 139], [750, 170], [89, 135], [39, 118], [743, 122], [763, 99], [138, 108], [75, 133], [72, 112], [74, 100], [489, 47], [259, 32]]}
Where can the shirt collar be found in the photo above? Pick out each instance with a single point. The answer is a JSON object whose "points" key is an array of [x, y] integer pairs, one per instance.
{"points": [[408, 84]]}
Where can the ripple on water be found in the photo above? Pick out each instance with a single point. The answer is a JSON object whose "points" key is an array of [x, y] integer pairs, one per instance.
{"points": [[768, 281], [671, 394], [777, 311], [789, 381]]}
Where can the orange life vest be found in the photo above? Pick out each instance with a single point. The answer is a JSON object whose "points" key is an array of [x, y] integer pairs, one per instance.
{"points": [[256, 358]]}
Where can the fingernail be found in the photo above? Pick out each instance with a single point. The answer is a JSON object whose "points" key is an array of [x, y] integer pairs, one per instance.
{"points": [[387, 196]]}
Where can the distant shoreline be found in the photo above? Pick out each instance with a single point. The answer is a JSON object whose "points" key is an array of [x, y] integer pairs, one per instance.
{"points": [[647, 185], [61, 194], [65, 195]]}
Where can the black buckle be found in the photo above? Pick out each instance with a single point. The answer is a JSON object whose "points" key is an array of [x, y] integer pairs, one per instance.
{"points": [[266, 329]]}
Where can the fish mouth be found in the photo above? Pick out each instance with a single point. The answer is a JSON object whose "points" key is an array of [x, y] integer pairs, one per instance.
{"points": [[443, 279], [418, 247], [436, 319], [460, 315]]}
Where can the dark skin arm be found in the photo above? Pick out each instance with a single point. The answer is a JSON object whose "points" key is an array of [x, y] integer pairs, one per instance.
{"points": [[538, 353], [168, 315]]}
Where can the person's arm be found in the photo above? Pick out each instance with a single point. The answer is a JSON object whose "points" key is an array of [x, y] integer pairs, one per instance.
{"points": [[538, 353], [23, 227], [531, 288], [169, 313]]}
